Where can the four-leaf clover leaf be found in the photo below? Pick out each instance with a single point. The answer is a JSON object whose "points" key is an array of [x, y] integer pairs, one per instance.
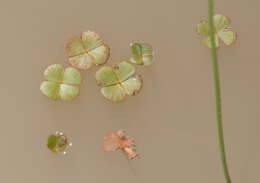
{"points": [[118, 81], [142, 53], [60, 82], [222, 31], [87, 51]]}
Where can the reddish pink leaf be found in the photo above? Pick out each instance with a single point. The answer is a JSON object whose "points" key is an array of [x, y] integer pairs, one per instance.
{"points": [[111, 142]]}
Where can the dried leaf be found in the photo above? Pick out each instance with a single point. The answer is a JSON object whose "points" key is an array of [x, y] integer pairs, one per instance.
{"points": [[113, 142]]}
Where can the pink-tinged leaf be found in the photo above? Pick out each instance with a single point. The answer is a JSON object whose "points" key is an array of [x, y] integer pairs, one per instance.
{"points": [[120, 140], [111, 142], [87, 51], [127, 142], [121, 133], [130, 153]]}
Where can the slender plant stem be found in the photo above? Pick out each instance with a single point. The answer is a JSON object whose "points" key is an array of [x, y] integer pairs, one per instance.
{"points": [[217, 89]]}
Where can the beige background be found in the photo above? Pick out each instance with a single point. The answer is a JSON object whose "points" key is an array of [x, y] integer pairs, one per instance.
{"points": [[172, 119]]}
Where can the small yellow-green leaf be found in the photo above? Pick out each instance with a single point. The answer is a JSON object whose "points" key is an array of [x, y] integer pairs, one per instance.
{"points": [[227, 36], [208, 44], [105, 76], [114, 93], [146, 49], [142, 53], [203, 28], [52, 142], [100, 54], [148, 59], [50, 89], [68, 92], [137, 59], [83, 62], [91, 40], [221, 22], [71, 76], [136, 49], [54, 73], [75, 47], [124, 70], [133, 85]]}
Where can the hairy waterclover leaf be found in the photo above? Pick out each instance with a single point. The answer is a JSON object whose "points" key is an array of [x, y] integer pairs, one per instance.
{"points": [[118, 81], [87, 51], [142, 54], [111, 142], [222, 31], [60, 82], [120, 140], [58, 143]]}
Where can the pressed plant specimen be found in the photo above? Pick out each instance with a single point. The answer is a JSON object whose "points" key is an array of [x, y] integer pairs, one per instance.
{"points": [[120, 141], [142, 53], [58, 143], [87, 51], [217, 27], [60, 83], [118, 81], [222, 32]]}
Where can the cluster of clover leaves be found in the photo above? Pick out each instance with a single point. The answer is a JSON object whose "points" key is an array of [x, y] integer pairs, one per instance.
{"points": [[116, 81], [119, 80]]}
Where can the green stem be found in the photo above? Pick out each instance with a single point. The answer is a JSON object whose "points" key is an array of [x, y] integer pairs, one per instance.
{"points": [[217, 90]]}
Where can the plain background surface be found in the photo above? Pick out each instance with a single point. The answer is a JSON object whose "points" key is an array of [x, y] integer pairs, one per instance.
{"points": [[172, 119]]}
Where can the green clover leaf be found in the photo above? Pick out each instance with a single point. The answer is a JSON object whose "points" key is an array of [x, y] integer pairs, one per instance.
{"points": [[118, 81], [222, 28], [52, 142], [142, 54], [59, 82], [87, 51]]}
